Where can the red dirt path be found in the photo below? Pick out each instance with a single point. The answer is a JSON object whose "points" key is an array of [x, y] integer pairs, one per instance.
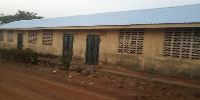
{"points": [[17, 86], [20, 81]]}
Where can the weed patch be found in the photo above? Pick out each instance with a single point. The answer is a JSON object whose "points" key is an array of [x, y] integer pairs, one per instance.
{"points": [[66, 60], [18, 55]]}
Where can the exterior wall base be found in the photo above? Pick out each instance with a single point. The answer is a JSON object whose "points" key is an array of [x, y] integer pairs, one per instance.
{"points": [[163, 65]]}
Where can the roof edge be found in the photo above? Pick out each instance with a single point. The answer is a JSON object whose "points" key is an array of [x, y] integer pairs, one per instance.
{"points": [[112, 26]]}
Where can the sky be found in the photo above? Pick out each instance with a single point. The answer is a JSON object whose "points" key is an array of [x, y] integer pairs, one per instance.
{"points": [[62, 8]]}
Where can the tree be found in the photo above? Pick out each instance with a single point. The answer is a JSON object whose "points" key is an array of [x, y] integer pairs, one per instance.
{"points": [[20, 15]]}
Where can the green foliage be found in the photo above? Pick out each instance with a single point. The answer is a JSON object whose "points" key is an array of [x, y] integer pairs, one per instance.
{"points": [[20, 15], [27, 55], [79, 69], [66, 60]]}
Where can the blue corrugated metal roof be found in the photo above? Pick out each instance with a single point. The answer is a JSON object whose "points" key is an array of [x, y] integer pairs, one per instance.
{"points": [[179, 14]]}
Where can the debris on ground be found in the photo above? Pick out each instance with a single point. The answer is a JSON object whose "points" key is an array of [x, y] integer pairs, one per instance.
{"points": [[125, 88], [90, 83], [54, 71]]}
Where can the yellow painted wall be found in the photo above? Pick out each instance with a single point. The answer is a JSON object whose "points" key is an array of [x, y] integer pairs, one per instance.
{"points": [[7, 45], [150, 61], [54, 49], [155, 62]]}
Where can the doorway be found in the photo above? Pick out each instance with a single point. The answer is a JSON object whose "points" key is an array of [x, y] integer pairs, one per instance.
{"points": [[92, 49], [19, 40], [67, 43]]}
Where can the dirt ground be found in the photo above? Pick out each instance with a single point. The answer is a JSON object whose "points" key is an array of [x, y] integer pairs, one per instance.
{"points": [[21, 81]]}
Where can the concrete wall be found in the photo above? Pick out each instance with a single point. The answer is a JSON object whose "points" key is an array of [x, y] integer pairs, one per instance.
{"points": [[156, 63], [7, 45], [150, 61], [55, 49]]}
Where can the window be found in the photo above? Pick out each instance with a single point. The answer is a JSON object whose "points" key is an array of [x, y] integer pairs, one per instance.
{"points": [[32, 37], [10, 36], [131, 41], [182, 43], [1, 36], [47, 38]]}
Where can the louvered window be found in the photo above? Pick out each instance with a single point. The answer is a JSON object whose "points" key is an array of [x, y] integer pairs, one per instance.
{"points": [[32, 37], [182, 43], [131, 41], [47, 38], [10, 36]]}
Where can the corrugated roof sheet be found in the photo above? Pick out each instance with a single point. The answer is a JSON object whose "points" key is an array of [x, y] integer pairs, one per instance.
{"points": [[178, 14]]}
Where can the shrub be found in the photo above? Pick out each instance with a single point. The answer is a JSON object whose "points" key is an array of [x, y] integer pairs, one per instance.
{"points": [[18, 55], [66, 59]]}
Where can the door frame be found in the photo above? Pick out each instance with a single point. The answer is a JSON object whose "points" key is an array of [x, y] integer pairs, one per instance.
{"points": [[20, 36], [63, 50], [92, 46]]}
